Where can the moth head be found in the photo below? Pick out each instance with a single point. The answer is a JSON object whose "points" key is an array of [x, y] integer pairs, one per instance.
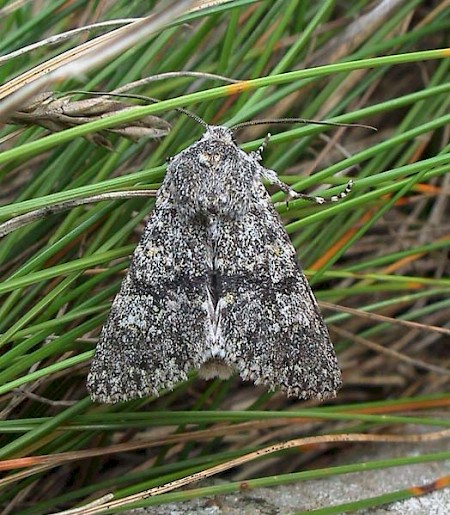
{"points": [[219, 133]]}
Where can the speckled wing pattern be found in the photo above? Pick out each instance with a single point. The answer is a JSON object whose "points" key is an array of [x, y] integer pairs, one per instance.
{"points": [[273, 332], [214, 285], [155, 332]]}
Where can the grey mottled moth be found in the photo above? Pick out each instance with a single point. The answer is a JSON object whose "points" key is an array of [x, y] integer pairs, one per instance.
{"points": [[214, 285]]}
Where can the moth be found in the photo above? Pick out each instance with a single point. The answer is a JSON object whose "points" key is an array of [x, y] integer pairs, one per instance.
{"points": [[214, 286]]}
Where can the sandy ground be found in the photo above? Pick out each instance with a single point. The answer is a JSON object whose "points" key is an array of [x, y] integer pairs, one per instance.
{"points": [[309, 495]]}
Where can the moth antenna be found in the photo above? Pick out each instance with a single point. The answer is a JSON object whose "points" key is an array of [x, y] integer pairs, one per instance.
{"points": [[193, 116], [240, 126], [141, 97]]}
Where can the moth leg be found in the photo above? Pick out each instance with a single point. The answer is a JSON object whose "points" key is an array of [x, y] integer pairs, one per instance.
{"points": [[272, 177], [257, 154], [291, 194], [322, 200]]}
